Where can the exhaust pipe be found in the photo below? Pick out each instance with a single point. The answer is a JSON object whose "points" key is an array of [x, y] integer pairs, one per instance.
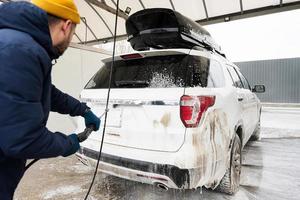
{"points": [[162, 186]]}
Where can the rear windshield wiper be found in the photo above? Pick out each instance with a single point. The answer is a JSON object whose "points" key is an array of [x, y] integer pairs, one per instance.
{"points": [[132, 84]]}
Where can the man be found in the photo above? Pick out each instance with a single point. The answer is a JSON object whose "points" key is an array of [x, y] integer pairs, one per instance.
{"points": [[32, 35]]}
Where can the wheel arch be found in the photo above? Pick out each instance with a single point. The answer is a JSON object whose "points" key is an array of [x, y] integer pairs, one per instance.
{"points": [[239, 131]]}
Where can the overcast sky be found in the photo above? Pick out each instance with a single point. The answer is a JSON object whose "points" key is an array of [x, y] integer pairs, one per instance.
{"points": [[266, 37]]}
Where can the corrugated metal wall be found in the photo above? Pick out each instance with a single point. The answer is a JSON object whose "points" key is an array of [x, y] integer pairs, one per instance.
{"points": [[281, 78]]}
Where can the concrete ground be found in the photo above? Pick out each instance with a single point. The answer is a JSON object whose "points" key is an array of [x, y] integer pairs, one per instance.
{"points": [[270, 171]]}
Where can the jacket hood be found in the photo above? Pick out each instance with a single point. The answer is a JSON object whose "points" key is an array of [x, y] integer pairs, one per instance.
{"points": [[28, 18]]}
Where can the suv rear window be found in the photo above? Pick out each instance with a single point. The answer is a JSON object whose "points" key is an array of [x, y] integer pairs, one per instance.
{"points": [[155, 72]]}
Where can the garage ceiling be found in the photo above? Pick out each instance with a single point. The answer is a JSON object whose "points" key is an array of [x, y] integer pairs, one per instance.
{"points": [[97, 23], [98, 15]]}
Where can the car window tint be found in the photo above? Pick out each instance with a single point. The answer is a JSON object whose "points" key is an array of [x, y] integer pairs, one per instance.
{"points": [[205, 72], [244, 80], [153, 72], [160, 72], [236, 79], [200, 67]]}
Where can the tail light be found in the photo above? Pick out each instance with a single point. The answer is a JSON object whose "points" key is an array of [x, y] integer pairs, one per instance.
{"points": [[193, 107], [131, 56]]}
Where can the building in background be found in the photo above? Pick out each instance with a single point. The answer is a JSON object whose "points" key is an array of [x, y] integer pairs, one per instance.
{"points": [[280, 76]]}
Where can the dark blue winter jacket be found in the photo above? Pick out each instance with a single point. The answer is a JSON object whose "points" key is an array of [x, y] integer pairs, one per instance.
{"points": [[27, 94]]}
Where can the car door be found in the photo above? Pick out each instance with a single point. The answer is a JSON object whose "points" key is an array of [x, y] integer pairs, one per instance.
{"points": [[242, 98], [252, 102]]}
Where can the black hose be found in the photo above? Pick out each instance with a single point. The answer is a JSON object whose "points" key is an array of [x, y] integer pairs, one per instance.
{"points": [[107, 102], [30, 164]]}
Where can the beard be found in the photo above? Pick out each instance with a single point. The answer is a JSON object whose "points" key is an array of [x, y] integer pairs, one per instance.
{"points": [[61, 47]]}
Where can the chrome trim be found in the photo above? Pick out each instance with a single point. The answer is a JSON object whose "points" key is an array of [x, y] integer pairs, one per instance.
{"points": [[131, 102]]}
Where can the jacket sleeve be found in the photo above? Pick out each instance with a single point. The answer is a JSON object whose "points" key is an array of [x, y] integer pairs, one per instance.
{"points": [[22, 120], [65, 104]]}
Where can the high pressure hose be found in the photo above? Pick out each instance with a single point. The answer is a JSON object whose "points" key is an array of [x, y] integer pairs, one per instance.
{"points": [[107, 101]]}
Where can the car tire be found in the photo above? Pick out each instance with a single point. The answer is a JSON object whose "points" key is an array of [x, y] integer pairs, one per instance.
{"points": [[231, 180], [256, 134]]}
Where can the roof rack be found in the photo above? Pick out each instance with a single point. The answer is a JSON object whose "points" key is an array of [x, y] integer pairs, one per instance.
{"points": [[162, 28]]}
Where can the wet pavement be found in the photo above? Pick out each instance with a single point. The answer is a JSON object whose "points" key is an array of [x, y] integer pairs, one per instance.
{"points": [[270, 171]]}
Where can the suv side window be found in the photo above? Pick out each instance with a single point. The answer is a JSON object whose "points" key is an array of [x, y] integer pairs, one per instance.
{"points": [[200, 71], [244, 80], [207, 72], [235, 78], [216, 74]]}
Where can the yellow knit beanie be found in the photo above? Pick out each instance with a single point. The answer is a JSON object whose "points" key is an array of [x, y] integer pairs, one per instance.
{"points": [[65, 9]]}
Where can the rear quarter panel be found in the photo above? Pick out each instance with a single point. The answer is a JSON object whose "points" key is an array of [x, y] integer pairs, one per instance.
{"points": [[207, 147]]}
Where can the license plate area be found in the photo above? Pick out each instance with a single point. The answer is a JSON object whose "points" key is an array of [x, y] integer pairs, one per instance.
{"points": [[114, 117]]}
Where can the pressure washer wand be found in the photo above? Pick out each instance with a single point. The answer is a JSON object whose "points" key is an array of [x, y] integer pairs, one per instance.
{"points": [[86, 133], [81, 137]]}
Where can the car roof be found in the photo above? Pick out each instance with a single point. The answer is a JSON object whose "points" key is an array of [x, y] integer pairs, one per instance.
{"points": [[166, 52]]}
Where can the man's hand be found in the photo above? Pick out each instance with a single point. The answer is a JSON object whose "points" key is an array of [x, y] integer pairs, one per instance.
{"points": [[91, 119]]}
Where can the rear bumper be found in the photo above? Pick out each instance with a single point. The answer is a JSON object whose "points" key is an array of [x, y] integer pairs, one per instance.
{"points": [[137, 170]]}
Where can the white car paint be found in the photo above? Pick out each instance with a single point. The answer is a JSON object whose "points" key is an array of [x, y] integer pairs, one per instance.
{"points": [[154, 137]]}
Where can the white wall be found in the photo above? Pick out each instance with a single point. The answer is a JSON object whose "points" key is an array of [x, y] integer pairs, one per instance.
{"points": [[70, 75]]}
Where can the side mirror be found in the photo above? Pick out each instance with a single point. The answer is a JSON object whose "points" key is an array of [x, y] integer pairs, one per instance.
{"points": [[259, 89]]}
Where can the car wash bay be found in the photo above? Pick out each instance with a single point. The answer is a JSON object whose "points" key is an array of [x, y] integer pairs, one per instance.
{"points": [[270, 171], [270, 166]]}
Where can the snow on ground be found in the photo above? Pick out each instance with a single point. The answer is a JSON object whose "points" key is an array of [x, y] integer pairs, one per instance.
{"points": [[283, 118], [279, 122]]}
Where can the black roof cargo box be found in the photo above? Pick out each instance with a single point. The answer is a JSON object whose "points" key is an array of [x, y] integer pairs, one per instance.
{"points": [[162, 28]]}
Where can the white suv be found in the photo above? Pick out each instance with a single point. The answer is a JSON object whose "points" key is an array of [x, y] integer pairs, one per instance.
{"points": [[178, 118]]}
